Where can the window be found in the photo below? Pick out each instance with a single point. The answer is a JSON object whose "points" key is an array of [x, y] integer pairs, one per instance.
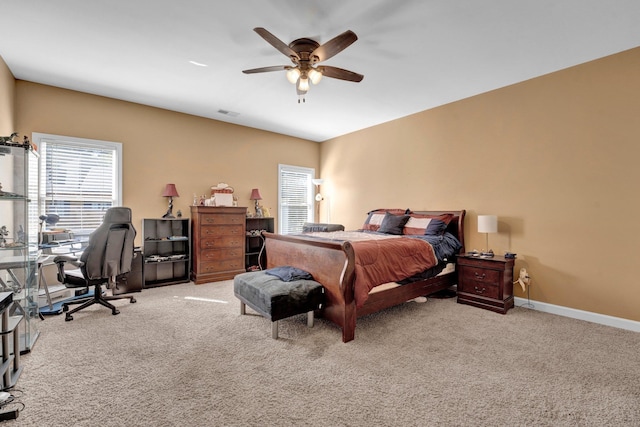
{"points": [[295, 198], [79, 180]]}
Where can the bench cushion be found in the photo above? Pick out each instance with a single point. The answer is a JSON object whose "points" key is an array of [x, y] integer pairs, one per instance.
{"points": [[276, 299], [309, 227]]}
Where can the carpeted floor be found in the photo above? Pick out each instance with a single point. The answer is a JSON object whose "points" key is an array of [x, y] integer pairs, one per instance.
{"points": [[182, 355]]}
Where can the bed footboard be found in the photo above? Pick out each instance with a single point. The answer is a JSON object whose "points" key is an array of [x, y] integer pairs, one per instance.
{"points": [[330, 263]]}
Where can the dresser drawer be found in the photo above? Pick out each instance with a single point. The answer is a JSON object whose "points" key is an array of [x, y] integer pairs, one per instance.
{"points": [[222, 230], [221, 254], [221, 219], [221, 265], [219, 242]]}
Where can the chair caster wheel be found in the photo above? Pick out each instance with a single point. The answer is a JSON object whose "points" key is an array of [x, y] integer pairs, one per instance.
{"points": [[133, 300], [114, 312], [68, 318]]}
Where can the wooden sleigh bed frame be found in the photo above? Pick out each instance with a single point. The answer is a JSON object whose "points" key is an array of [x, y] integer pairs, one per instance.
{"points": [[332, 264]]}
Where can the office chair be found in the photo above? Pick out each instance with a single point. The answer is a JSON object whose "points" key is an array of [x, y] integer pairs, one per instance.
{"points": [[105, 260]]}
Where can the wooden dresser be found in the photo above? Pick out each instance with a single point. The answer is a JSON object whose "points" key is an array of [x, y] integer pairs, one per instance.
{"points": [[218, 238]]}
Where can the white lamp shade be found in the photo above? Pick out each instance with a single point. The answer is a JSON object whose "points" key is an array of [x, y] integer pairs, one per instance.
{"points": [[293, 74], [315, 76], [303, 84], [487, 224]]}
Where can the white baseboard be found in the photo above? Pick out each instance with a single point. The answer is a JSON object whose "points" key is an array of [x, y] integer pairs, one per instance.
{"points": [[603, 319]]}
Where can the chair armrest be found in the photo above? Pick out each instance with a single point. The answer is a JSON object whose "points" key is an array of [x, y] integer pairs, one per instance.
{"points": [[61, 260]]}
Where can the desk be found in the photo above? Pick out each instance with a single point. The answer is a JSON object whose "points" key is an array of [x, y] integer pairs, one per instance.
{"points": [[63, 247], [14, 262]]}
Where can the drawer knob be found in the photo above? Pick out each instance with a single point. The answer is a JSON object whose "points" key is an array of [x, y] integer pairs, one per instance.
{"points": [[478, 290], [479, 276]]}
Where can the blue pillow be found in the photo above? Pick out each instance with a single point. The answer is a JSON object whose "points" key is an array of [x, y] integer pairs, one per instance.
{"points": [[436, 227], [393, 224]]}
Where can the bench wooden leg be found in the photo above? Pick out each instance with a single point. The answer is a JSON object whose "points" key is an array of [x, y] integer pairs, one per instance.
{"points": [[274, 330], [243, 308], [310, 319]]}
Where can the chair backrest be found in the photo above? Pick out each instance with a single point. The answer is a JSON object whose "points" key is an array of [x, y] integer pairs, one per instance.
{"points": [[110, 249]]}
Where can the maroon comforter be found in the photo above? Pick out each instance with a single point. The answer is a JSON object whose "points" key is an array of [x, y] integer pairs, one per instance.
{"points": [[388, 260]]}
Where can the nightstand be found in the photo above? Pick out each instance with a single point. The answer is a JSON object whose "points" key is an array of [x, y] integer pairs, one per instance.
{"points": [[486, 282]]}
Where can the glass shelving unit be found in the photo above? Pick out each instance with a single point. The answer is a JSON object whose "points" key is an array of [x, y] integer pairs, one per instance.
{"points": [[19, 236]]}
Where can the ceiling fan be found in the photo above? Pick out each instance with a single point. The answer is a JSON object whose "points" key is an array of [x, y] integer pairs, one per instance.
{"points": [[305, 54]]}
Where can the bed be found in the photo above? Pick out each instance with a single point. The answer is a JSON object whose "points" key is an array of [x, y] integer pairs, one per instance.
{"points": [[332, 262]]}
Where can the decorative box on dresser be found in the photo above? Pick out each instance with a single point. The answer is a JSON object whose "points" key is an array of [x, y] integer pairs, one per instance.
{"points": [[486, 282], [218, 237]]}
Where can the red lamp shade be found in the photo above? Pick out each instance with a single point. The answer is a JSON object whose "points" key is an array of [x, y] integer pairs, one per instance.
{"points": [[170, 191], [255, 194]]}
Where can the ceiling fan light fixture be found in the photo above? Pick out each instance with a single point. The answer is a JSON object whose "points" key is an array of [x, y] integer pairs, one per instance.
{"points": [[303, 84], [293, 74], [315, 76]]}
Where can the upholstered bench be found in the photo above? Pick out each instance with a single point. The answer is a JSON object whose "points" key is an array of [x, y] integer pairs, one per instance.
{"points": [[277, 299]]}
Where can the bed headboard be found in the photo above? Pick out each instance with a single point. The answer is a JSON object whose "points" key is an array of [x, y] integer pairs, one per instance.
{"points": [[455, 227]]}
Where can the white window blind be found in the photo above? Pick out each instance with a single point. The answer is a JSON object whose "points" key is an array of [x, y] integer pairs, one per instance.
{"points": [[295, 196], [79, 180]]}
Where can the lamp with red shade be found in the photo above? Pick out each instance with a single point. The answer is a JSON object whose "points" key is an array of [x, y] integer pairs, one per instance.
{"points": [[170, 192], [255, 195]]}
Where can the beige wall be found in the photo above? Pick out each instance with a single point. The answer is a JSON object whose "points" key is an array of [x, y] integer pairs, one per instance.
{"points": [[161, 147], [7, 100], [555, 158]]}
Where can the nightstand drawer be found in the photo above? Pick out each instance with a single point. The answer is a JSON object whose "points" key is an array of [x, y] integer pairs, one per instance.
{"points": [[479, 275], [484, 289]]}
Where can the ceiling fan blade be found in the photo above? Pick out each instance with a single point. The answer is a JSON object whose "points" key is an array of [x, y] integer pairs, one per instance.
{"points": [[334, 46], [266, 69], [340, 73], [276, 42]]}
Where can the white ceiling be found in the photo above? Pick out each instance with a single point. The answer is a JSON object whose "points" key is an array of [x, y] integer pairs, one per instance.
{"points": [[414, 54]]}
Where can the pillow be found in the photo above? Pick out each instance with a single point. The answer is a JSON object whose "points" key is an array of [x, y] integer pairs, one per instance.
{"points": [[416, 226], [393, 224], [375, 217], [436, 228], [373, 221], [433, 225]]}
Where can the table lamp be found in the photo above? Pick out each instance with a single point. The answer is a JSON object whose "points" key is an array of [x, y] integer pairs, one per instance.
{"points": [[487, 224], [170, 192], [255, 195]]}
